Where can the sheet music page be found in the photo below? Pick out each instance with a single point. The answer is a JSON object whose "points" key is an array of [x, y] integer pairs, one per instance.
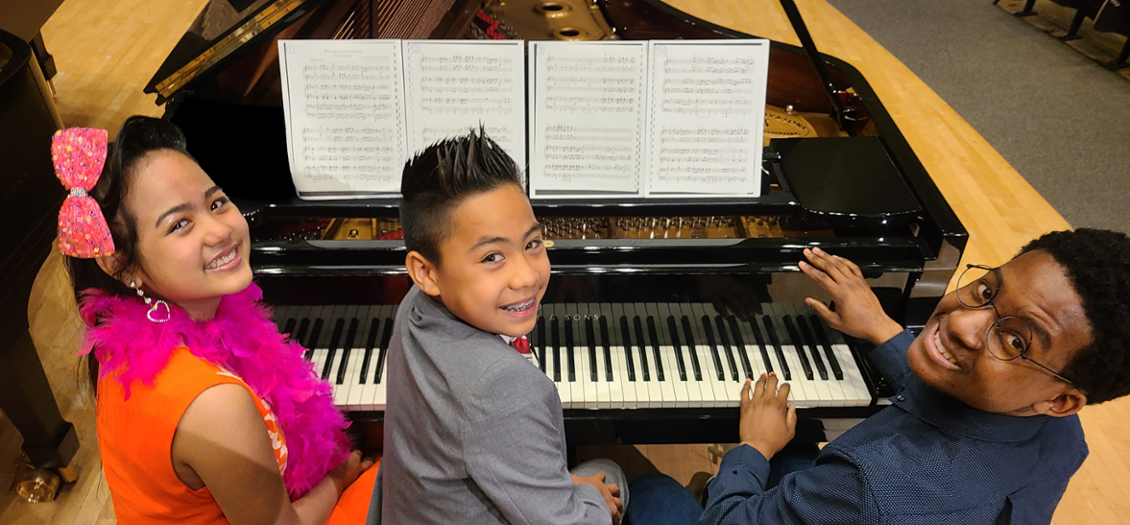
{"points": [[587, 118], [345, 126], [706, 112], [454, 85]]}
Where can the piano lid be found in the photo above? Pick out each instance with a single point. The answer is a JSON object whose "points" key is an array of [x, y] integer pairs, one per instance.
{"points": [[228, 29]]}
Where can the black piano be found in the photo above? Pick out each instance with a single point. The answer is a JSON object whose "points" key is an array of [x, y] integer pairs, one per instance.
{"points": [[657, 309]]}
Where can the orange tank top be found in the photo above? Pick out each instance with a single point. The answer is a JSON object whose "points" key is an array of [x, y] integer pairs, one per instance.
{"points": [[135, 438]]}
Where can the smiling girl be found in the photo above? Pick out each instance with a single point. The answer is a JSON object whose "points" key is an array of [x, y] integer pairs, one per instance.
{"points": [[205, 413]]}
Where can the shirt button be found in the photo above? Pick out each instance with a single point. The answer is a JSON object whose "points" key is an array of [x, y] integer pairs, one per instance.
{"points": [[900, 397]]}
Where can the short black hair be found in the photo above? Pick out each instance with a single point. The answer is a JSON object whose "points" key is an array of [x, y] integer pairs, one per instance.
{"points": [[1097, 262], [436, 180]]}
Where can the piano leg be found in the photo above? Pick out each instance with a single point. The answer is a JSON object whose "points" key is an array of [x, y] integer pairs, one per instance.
{"points": [[26, 398]]}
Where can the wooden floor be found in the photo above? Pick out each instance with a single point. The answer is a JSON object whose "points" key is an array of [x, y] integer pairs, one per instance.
{"points": [[107, 49]]}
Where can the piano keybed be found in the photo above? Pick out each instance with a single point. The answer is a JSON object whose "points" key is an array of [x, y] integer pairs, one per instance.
{"points": [[612, 355]]}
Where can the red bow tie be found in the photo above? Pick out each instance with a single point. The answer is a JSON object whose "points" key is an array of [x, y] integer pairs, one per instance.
{"points": [[521, 345]]}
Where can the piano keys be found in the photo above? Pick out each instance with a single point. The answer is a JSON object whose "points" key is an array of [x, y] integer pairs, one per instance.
{"points": [[613, 356]]}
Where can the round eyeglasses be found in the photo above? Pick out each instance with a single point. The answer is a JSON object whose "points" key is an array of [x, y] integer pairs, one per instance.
{"points": [[1010, 337]]}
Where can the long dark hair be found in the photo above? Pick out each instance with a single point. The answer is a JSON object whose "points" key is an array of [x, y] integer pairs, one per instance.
{"points": [[138, 137]]}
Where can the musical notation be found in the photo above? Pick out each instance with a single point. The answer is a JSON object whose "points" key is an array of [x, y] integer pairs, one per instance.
{"points": [[453, 87], [345, 115], [705, 128], [589, 117]]}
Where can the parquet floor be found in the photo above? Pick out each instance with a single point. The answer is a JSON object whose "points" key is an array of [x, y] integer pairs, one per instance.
{"points": [[107, 49]]}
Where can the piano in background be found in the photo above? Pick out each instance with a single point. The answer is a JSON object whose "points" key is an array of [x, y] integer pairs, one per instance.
{"points": [[638, 285], [30, 197]]}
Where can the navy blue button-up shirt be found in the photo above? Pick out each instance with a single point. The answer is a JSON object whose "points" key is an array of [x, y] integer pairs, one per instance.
{"points": [[929, 458]]}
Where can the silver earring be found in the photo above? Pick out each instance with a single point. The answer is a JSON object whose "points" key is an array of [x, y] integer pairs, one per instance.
{"points": [[155, 306]]}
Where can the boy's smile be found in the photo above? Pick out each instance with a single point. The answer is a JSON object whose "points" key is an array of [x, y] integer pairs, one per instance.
{"points": [[951, 354], [494, 268]]}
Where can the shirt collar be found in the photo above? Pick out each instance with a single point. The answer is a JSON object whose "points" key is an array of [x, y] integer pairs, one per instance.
{"points": [[951, 415]]}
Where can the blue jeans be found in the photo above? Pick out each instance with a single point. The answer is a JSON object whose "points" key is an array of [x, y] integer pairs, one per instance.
{"points": [[657, 499]]}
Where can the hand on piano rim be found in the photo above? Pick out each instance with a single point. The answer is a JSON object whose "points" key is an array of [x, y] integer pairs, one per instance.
{"points": [[858, 312], [768, 420]]}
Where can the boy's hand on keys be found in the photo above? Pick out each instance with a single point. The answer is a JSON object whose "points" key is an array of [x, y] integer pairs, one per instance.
{"points": [[610, 491], [858, 312], [768, 421]]}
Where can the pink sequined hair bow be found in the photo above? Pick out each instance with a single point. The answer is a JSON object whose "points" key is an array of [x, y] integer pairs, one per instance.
{"points": [[78, 155]]}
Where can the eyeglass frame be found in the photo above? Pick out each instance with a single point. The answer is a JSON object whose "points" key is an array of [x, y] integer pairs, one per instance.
{"points": [[1027, 344]]}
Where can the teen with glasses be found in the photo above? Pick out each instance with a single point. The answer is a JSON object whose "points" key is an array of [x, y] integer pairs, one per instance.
{"points": [[983, 428]]}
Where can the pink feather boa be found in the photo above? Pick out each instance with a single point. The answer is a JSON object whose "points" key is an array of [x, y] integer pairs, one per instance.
{"points": [[242, 339]]}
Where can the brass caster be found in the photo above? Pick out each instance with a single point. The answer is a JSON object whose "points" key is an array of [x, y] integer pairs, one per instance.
{"points": [[38, 486]]}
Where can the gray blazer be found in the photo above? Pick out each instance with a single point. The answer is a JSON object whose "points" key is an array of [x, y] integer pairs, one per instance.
{"points": [[473, 433]]}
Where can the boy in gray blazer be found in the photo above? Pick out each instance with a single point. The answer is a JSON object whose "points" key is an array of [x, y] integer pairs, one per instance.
{"points": [[473, 432]]}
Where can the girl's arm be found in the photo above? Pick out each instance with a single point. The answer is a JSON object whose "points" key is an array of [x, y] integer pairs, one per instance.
{"points": [[221, 443]]}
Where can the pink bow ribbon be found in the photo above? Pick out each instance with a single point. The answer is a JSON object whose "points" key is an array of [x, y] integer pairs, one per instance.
{"points": [[78, 155]]}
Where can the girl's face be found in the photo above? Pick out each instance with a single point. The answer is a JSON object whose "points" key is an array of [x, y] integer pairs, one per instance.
{"points": [[192, 241]]}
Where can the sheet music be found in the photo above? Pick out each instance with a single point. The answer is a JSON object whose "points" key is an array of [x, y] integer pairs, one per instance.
{"points": [[587, 118], [454, 85], [706, 117], [344, 107]]}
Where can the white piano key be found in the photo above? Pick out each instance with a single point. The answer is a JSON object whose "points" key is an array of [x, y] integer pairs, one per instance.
{"points": [[686, 388], [836, 396], [655, 390], [630, 385], [672, 397], [603, 386], [722, 397], [615, 353]]}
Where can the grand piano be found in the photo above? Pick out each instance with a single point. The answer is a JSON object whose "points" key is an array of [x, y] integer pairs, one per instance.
{"points": [[657, 309]]}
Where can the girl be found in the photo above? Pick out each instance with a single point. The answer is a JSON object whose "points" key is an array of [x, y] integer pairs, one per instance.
{"points": [[205, 413]]}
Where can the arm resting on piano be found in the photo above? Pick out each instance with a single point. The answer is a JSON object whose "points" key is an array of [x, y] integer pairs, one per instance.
{"points": [[832, 491]]}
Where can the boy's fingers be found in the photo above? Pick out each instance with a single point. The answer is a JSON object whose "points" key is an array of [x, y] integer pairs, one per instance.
{"points": [[599, 476], [790, 417], [614, 489], [771, 384], [745, 390]]}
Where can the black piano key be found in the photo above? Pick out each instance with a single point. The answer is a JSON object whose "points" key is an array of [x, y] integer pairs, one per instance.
{"points": [[540, 339], [301, 339], [370, 345], [555, 335], [656, 352], [726, 346], [740, 343], [289, 327], [607, 346], [772, 333], [798, 346], [335, 339], [817, 327], [713, 348], [760, 342], [386, 336], [674, 330], [806, 334], [591, 344], [689, 333], [570, 351], [347, 350], [643, 350], [625, 334]]}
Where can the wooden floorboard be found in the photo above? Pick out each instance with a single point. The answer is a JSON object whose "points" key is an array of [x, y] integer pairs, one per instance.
{"points": [[106, 50]]}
